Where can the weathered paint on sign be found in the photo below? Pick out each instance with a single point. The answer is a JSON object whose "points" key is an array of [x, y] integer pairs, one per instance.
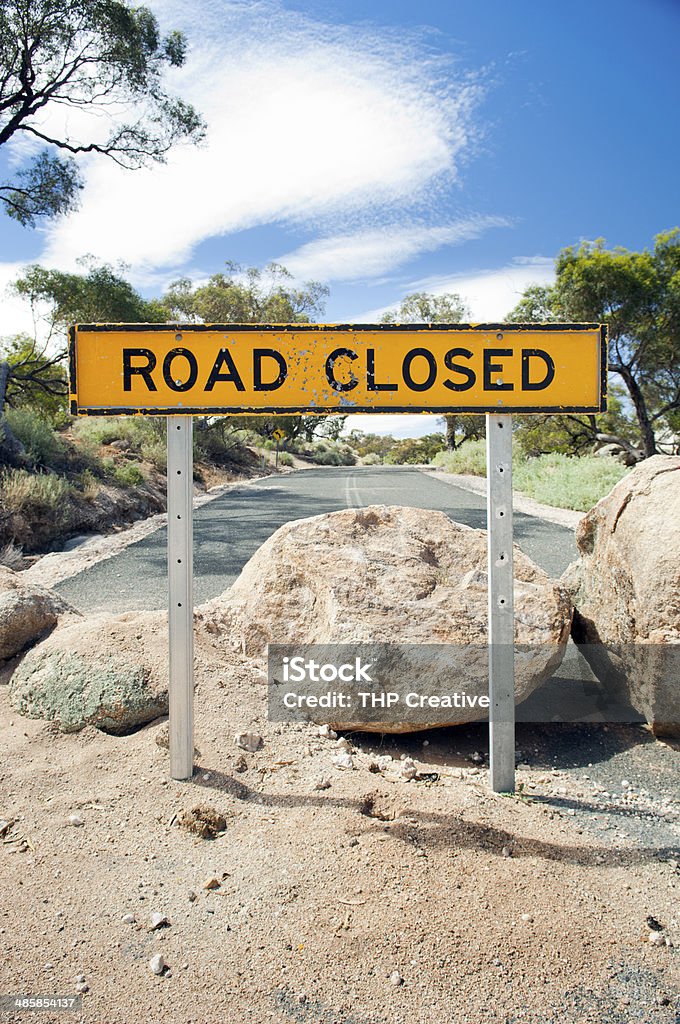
{"points": [[170, 369]]}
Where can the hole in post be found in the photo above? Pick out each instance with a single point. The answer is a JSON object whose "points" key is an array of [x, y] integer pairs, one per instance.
{"points": [[179, 604], [501, 514], [179, 561], [179, 472]]}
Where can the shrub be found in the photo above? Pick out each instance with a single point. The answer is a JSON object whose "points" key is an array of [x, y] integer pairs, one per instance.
{"points": [[43, 446], [19, 489], [286, 459], [128, 475], [372, 459]]}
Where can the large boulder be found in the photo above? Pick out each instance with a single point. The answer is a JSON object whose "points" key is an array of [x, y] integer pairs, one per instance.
{"points": [[27, 612], [404, 575], [626, 589], [109, 671]]}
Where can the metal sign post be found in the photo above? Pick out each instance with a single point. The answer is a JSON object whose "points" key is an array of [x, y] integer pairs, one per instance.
{"points": [[181, 595], [501, 603]]}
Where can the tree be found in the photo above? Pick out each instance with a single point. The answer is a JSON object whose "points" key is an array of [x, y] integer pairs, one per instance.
{"points": [[449, 308], [32, 371], [638, 295], [98, 56], [248, 296]]}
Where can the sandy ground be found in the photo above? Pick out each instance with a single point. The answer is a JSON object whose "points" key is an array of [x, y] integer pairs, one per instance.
{"points": [[372, 901]]}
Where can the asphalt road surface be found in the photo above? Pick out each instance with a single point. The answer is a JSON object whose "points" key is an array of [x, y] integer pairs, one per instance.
{"points": [[228, 530]]}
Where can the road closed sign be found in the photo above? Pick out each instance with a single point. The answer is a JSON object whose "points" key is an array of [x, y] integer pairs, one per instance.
{"points": [[197, 369]]}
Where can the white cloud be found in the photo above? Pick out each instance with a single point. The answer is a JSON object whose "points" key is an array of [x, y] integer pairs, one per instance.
{"points": [[367, 254], [489, 294], [16, 317], [306, 121]]}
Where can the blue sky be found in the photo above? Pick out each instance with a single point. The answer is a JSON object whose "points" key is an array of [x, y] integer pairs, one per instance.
{"points": [[392, 147]]}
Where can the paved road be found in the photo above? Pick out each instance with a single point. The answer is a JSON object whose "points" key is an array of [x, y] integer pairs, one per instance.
{"points": [[229, 530]]}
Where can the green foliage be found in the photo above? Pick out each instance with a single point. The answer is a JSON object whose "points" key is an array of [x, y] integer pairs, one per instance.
{"points": [[43, 446], [469, 458], [245, 296], [559, 480], [416, 451], [370, 444], [102, 56], [98, 295], [48, 187], [286, 459], [568, 482], [34, 495], [128, 475], [35, 380], [638, 295], [423, 308]]}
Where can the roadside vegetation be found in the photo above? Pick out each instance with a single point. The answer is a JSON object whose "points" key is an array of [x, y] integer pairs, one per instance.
{"points": [[565, 481]]}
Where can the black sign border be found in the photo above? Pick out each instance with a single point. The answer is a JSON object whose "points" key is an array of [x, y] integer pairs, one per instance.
{"points": [[484, 328]]}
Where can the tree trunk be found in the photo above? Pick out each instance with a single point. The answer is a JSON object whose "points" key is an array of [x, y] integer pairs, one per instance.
{"points": [[451, 432], [638, 399]]}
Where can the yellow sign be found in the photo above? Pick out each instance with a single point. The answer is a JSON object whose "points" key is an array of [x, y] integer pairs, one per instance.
{"points": [[170, 369], [278, 434]]}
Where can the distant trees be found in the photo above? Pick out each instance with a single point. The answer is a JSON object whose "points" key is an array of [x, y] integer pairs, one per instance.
{"points": [[638, 295], [101, 57]]}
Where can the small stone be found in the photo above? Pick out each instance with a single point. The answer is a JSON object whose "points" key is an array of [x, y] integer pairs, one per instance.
{"points": [[79, 979], [408, 770], [323, 783], [476, 758], [506, 852], [158, 920], [192, 896], [396, 978], [344, 744], [326, 733], [426, 743], [526, 917], [48, 967], [75, 820], [656, 939], [248, 740], [128, 918], [241, 765], [157, 964], [653, 924], [82, 986], [212, 883], [343, 761]]}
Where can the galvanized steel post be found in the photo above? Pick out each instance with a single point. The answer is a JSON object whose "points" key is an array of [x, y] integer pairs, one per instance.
{"points": [[181, 596], [501, 603]]}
